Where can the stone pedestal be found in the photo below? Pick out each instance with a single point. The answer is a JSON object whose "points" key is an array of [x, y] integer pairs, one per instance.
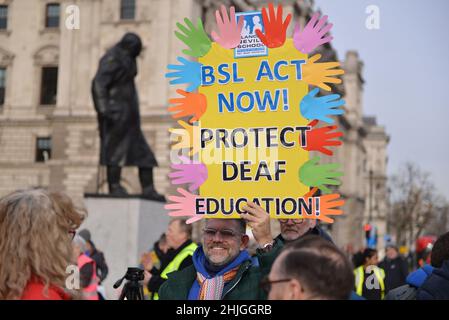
{"points": [[123, 228]]}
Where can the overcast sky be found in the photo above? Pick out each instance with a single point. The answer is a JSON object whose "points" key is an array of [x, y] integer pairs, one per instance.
{"points": [[406, 68]]}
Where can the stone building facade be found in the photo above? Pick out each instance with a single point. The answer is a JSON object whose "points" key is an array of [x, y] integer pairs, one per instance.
{"points": [[55, 145]]}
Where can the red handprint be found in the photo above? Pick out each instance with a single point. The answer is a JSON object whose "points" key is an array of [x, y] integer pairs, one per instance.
{"points": [[275, 28], [319, 138]]}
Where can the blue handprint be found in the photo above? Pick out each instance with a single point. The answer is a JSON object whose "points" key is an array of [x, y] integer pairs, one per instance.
{"points": [[320, 108], [188, 72]]}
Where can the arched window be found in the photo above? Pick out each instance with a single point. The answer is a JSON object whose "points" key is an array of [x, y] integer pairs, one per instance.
{"points": [[46, 59]]}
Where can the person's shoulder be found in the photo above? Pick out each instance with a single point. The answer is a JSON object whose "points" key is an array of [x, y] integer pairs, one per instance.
{"points": [[405, 292], [319, 231], [98, 254], [36, 290], [179, 275], [178, 284], [436, 286]]}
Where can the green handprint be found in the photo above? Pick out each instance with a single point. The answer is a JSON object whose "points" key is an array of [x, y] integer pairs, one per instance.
{"points": [[313, 174], [195, 38]]}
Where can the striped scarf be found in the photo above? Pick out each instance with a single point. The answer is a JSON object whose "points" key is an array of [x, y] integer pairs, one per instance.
{"points": [[212, 289]]}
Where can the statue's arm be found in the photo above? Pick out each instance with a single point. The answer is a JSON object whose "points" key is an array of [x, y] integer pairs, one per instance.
{"points": [[102, 82]]}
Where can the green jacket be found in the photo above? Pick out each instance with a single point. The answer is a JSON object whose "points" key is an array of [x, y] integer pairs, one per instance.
{"points": [[245, 285]]}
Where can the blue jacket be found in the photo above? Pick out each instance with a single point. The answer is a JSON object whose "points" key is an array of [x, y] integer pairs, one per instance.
{"points": [[436, 286], [417, 278]]}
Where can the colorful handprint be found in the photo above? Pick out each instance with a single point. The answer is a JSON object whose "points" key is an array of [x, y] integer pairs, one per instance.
{"points": [[319, 138], [191, 104], [229, 29], [195, 38], [313, 34], [188, 172], [313, 174], [183, 206], [188, 72], [320, 108], [187, 138], [275, 28], [318, 74], [328, 205]]}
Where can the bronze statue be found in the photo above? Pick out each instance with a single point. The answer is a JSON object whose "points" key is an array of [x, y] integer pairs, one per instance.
{"points": [[116, 102]]}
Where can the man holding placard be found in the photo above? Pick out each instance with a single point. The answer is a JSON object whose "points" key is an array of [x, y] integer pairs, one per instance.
{"points": [[222, 267], [252, 125]]}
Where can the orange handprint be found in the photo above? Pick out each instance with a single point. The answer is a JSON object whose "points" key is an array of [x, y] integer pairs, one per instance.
{"points": [[192, 104], [327, 206]]}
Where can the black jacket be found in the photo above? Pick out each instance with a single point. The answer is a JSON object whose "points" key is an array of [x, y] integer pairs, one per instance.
{"points": [[86, 274], [436, 286], [156, 280], [396, 271], [116, 102], [102, 267], [164, 257]]}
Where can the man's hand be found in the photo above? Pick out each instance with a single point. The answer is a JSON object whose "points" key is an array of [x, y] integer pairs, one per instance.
{"points": [[147, 261], [147, 277], [259, 221]]}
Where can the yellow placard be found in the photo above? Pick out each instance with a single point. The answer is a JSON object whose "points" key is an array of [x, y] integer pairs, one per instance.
{"points": [[268, 133]]}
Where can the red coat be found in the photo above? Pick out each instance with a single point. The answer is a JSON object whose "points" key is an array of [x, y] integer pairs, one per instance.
{"points": [[34, 290]]}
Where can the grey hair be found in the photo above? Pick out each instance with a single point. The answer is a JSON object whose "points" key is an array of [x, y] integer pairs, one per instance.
{"points": [[79, 242]]}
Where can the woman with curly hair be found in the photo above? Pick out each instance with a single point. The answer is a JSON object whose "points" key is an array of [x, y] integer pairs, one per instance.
{"points": [[36, 229]]}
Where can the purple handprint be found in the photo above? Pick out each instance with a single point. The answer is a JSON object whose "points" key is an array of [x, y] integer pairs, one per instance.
{"points": [[189, 172], [313, 34]]}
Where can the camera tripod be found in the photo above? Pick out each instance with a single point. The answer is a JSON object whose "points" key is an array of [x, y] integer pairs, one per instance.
{"points": [[133, 289]]}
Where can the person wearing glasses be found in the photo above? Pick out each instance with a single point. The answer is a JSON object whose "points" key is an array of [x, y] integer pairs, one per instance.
{"points": [[222, 267], [293, 229], [310, 268], [36, 232]]}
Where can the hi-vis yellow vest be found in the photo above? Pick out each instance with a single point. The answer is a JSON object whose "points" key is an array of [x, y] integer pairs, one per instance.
{"points": [[176, 262], [359, 274]]}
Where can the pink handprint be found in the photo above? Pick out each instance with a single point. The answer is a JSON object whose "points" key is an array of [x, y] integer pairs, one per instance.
{"points": [[313, 34], [189, 172], [183, 206], [228, 28]]}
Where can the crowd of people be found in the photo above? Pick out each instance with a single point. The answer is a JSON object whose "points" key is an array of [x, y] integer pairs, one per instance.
{"points": [[39, 239]]}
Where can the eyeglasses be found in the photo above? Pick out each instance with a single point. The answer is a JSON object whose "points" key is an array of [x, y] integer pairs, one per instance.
{"points": [[72, 233], [295, 221], [266, 283], [225, 234]]}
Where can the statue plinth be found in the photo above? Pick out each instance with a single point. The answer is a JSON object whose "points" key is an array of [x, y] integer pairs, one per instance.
{"points": [[123, 228]]}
